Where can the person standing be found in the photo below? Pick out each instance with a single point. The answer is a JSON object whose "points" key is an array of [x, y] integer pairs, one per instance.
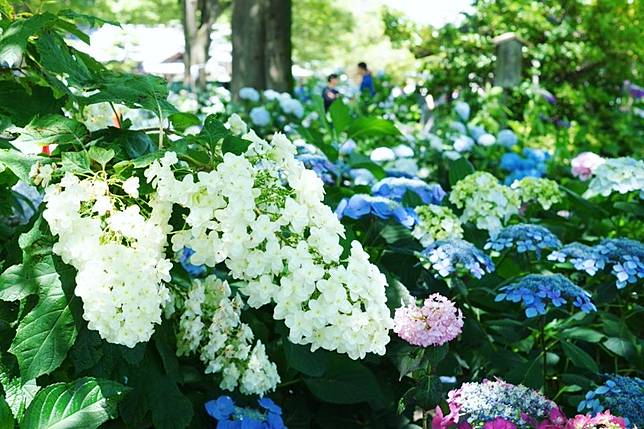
{"points": [[330, 94], [366, 85]]}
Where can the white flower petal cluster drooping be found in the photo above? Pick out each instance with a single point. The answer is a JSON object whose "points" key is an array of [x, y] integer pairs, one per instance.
{"points": [[485, 202], [261, 213], [118, 252], [210, 325]]}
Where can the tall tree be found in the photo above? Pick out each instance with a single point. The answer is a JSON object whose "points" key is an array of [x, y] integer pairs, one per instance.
{"points": [[261, 36], [198, 18]]}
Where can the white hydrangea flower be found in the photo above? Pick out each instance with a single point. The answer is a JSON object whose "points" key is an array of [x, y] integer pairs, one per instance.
{"points": [[617, 175], [118, 253], [210, 325], [131, 187], [261, 213]]}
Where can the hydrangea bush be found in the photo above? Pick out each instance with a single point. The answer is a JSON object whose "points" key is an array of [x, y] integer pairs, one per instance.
{"points": [[250, 260]]}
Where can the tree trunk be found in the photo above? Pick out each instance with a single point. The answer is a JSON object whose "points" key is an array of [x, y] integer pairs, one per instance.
{"points": [[189, 16], [248, 39], [278, 45]]}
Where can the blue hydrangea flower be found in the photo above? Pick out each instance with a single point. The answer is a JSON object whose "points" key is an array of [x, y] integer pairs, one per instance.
{"points": [[525, 237], [456, 256], [462, 109], [624, 396], [361, 205], [531, 164], [582, 257], [458, 127], [626, 257], [535, 290], [476, 131], [230, 416], [320, 164], [260, 116], [192, 270], [362, 176], [250, 94], [396, 187], [507, 138]]}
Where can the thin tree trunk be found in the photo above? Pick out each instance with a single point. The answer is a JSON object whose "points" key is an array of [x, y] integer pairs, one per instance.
{"points": [[278, 45], [248, 37], [189, 16]]}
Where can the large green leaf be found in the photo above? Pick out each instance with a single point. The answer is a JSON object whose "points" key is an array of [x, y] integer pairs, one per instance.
{"points": [[234, 144], [302, 359], [620, 347], [345, 382], [52, 129], [39, 100], [367, 126], [57, 57], [48, 331], [340, 115], [135, 91], [19, 163], [86, 403], [459, 169], [20, 281], [13, 41], [6, 417], [578, 357]]}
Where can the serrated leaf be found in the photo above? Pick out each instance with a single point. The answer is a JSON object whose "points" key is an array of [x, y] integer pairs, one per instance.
{"points": [[57, 57], [75, 162], [101, 155], [19, 163], [86, 403], [302, 359], [340, 115], [52, 129], [48, 331], [234, 144], [13, 40], [371, 127], [20, 281], [135, 91], [39, 100], [19, 395]]}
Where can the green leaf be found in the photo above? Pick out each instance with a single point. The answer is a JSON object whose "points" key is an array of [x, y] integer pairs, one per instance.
{"points": [[345, 382], [75, 162], [371, 127], [135, 91], [19, 395], [183, 120], [39, 100], [620, 347], [48, 331], [20, 281], [459, 169], [57, 57], [19, 163], [86, 403], [101, 155], [6, 417], [584, 334], [136, 143], [234, 145], [52, 129], [13, 40], [406, 358], [302, 359], [393, 233], [163, 391], [357, 160], [429, 392], [340, 115], [578, 357]]}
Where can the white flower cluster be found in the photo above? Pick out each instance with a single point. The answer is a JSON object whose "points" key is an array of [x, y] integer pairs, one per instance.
{"points": [[210, 324], [485, 201], [262, 215], [118, 252], [617, 175]]}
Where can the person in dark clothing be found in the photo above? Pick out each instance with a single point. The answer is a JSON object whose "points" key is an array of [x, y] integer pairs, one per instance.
{"points": [[330, 94], [367, 81]]}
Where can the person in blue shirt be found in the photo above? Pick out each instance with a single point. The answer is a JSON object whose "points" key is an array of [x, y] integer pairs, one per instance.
{"points": [[367, 81], [330, 94]]}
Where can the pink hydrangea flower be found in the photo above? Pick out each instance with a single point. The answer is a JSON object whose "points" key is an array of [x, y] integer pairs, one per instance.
{"points": [[435, 323], [603, 420], [499, 423], [584, 164]]}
